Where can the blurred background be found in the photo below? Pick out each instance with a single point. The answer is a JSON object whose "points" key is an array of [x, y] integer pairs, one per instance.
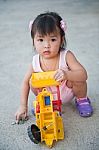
{"points": [[16, 51]]}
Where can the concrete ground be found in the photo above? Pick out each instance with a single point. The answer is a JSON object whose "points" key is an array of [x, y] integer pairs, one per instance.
{"points": [[82, 17]]}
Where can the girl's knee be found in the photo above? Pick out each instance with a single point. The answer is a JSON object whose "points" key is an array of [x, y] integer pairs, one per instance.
{"points": [[79, 83], [69, 84]]}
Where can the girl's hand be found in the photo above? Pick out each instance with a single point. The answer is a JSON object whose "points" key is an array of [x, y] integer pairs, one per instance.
{"points": [[21, 113], [60, 75]]}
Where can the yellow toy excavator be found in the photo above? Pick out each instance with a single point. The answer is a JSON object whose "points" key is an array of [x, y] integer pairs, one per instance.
{"points": [[49, 123]]}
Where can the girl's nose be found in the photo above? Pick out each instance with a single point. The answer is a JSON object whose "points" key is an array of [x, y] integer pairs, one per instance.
{"points": [[46, 44]]}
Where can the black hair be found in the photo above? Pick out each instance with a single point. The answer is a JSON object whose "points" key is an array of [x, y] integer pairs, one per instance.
{"points": [[47, 23]]}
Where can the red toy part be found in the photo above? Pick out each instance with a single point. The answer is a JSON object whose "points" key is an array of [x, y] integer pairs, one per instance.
{"points": [[57, 105], [37, 108]]}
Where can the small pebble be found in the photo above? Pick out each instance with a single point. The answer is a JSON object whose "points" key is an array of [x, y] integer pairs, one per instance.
{"points": [[13, 123], [21, 121]]}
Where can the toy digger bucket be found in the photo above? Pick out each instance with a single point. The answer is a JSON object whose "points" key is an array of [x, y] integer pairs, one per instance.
{"points": [[43, 79]]}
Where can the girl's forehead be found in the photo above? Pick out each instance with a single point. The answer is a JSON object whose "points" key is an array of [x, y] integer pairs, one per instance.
{"points": [[54, 34]]}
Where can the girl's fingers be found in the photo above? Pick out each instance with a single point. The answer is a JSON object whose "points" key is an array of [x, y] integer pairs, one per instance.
{"points": [[25, 115], [17, 117], [59, 76]]}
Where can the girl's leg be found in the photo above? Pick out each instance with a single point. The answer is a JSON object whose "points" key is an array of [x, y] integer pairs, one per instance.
{"points": [[79, 89], [33, 90], [83, 103]]}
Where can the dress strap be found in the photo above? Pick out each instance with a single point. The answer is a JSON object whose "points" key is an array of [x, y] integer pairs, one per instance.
{"points": [[62, 61], [36, 63]]}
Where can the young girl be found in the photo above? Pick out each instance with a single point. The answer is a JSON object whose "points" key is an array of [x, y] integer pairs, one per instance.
{"points": [[48, 35]]}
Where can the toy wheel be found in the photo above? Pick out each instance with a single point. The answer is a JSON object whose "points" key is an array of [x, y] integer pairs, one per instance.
{"points": [[34, 133]]}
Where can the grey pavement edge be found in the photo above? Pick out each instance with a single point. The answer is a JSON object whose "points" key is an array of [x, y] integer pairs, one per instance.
{"points": [[82, 17]]}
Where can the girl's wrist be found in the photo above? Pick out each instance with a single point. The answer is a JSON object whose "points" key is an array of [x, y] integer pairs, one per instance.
{"points": [[23, 106]]}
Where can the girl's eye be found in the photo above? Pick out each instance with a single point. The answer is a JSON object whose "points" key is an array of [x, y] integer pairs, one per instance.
{"points": [[53, 40], [41, 40]]}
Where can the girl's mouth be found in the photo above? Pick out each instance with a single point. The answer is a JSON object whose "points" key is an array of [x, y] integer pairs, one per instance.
{"points": [[46, 52]]}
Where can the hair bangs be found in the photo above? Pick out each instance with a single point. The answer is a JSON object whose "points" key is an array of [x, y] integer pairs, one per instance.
{"points": [[46, 25]]}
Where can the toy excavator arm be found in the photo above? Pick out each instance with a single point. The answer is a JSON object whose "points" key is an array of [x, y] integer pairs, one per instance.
{"points": [[43, 79]]}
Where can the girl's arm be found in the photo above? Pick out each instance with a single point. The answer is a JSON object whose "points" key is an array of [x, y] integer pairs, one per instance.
{"points": [[76, 71], [25, 88]]}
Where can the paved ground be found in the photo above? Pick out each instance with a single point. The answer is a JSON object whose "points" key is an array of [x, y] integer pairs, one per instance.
{"points": [[82, 18]]}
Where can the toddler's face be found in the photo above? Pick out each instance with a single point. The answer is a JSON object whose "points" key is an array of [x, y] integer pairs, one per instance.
{"points": [[48, 46]]}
